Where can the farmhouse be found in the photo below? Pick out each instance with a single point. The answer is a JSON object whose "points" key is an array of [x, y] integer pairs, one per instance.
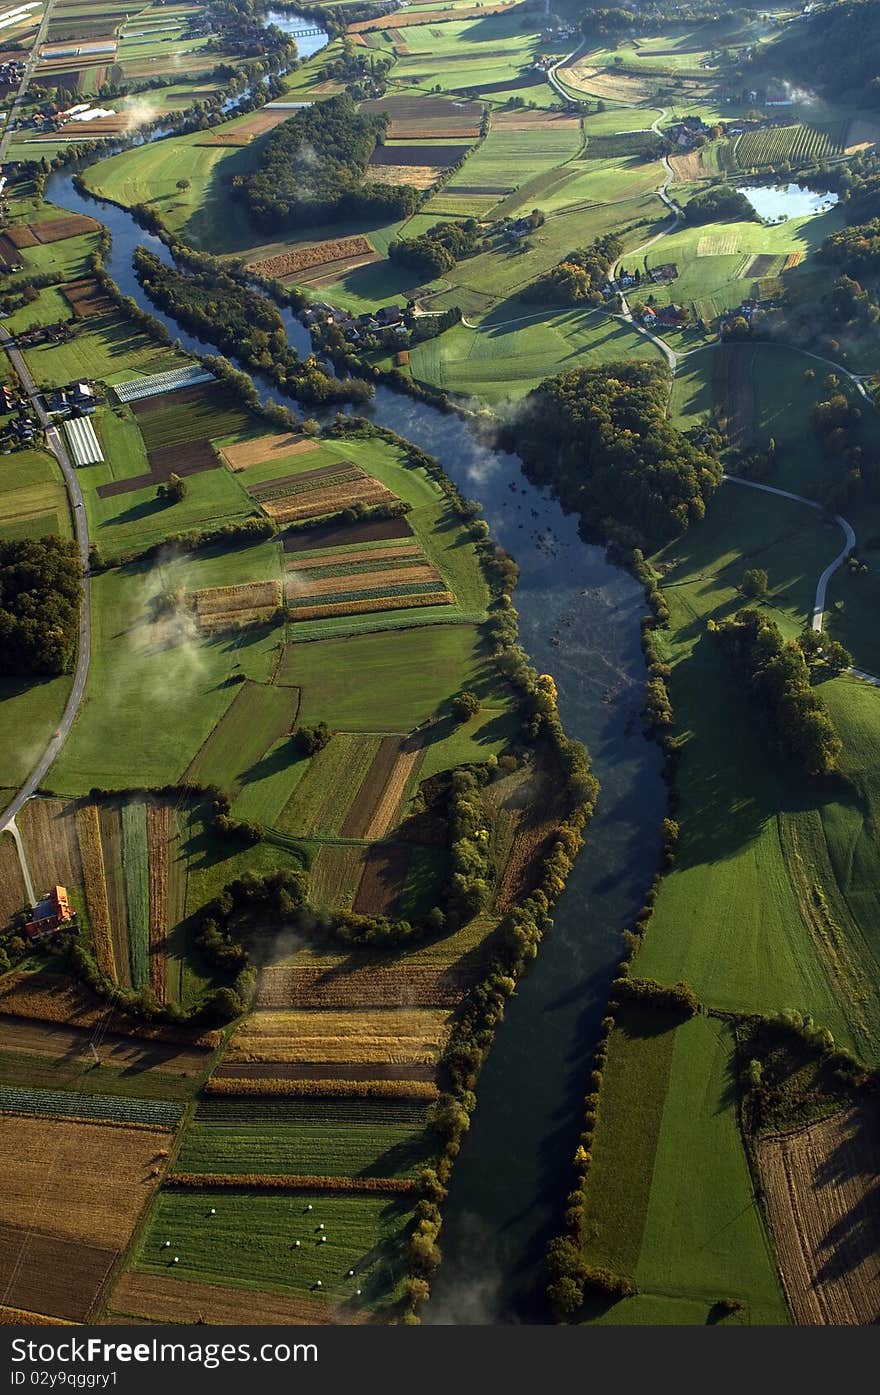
{"points": [[51, 914]]}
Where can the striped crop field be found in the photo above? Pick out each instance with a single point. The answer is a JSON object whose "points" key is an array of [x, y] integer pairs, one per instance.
{"points": [[259, 715], [73, 1105], [392, 1035], [321, 800], [367, 1150], [797, 144], [88, 829], [135, 859]]}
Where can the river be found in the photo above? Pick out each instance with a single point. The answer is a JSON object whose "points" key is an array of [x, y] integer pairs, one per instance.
{"points": [[579, 621]]}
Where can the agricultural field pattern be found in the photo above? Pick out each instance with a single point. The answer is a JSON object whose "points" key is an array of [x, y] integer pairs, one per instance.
{"points": [[439, 557]]}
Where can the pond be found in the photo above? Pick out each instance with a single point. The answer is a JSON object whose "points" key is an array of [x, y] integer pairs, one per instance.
{"points": [[776, 202], [310, 37], [580, 621]]}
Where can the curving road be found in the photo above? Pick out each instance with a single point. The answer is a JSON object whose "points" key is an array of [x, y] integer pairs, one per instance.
{"points": [[819, 604], [81, 528]]}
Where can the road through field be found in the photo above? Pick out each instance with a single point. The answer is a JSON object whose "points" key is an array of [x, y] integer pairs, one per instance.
{"points": [[819, 604], [81, 527]]}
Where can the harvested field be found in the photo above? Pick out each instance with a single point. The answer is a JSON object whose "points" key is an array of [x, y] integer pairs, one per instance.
{"points": [[313, 254], [50, 1275], [412, 176], [383, 880], [372, 606], [404, 763], [415, 570], [287, 485], [95, 885], [820, 1189], [603, 82], [325, 1077], [13, 892], [863, 132], [347, 534], [687, 168], [59, 229], [320, 800], [534, 121], [51, 998], [389, 1035], [22, 235], [83, 1181], [86, 298], [292, 1182], [792, 260], [317, 502], [396, 552], [218, 607], [435, 155], [300, 986], [164, 1300], [371, 1086], [262, 448], [49, 830], [440, 16], [159, 840], [427, 117], [56, 1041]]}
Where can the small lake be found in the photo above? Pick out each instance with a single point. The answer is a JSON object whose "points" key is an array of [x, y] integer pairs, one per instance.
{"points": [[774, 202], [289, 22]]}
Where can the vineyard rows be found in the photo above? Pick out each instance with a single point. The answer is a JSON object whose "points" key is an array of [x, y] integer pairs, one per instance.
{"points": [[799, 145]]}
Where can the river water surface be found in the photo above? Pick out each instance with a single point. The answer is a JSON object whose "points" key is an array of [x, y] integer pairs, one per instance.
{"points": [[579, 621]]}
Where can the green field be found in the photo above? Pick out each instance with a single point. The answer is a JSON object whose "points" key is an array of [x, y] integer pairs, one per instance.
{"points": [[670, 1201], [249, 1242], [105, 347], [18, 1068], [318, 1149], [33, 499], [135, 867], [258, 716]]}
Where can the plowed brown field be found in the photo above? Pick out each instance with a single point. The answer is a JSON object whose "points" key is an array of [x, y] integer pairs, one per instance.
{"points": [[246, 453], [181, 1300], [821, 1192]]}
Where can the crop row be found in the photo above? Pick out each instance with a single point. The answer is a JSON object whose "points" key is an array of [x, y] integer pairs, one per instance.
{"points": [[135, 859], [796, 144], [395, 1112], [71, 1104], [266, 1086], [291, 1182], [370, 593]]}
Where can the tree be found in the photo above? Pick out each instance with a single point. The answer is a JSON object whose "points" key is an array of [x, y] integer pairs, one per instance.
{"points": [[183, 185], [310, 740], [755, 583], [465, 705], [173, 490]]}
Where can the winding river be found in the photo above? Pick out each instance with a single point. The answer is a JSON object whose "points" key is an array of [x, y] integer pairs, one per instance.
{"points": [[579, 620]]}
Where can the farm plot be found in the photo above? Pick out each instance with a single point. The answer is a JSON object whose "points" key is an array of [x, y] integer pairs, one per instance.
{"points": [[820, 1188], [249, 1241], [50, 230], [48, 828], [798, 145], [380, 796], [49, 998], [426, 117], [13, 892], [334, 876], [192, 413], [259, 450], [307, 986], [315, 493], [135, 866], [225, 607], [732, 381], [73, 1104], [383, 880], [158, 1299], [86, 298], [585, 76], [258, 716], [337, 254], [76, 1184], [66, 1051], [413, 176], [321, 800], [367, 1151], [343, 535], [507, 153], [390, 1035], [159, 840]]}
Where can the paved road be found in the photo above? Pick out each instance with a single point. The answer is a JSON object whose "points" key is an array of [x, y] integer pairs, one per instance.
{"points": [[30, 64], [849, 536], [78, 508]]}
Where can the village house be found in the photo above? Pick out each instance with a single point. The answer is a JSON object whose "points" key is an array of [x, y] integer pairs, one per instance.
{"points": [[51, 914]]}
